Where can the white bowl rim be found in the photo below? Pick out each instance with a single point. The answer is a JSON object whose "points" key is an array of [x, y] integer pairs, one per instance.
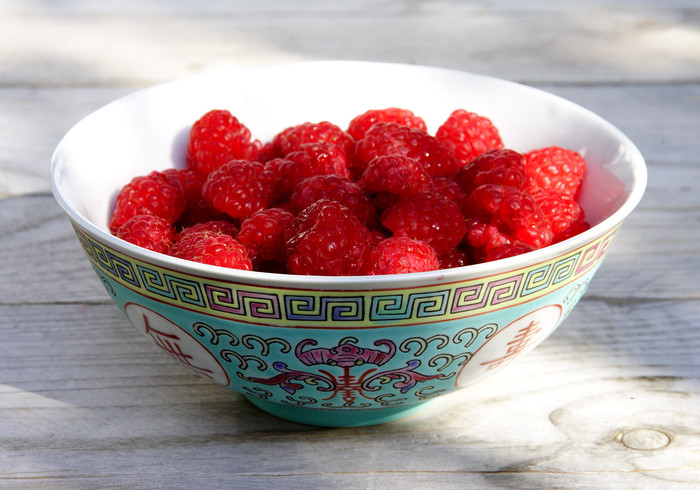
{"points": [[457, 274]]}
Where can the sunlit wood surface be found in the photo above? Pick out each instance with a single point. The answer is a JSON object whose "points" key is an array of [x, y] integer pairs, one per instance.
{"points": [[611, 400]]}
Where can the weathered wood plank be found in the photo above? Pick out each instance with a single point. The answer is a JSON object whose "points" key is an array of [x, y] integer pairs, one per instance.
{"points": [[534, 44], [33, 121], [662, 120], [324, 7]]}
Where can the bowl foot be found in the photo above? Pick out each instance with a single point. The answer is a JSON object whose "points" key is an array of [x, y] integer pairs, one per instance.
{"points": [[336, 417]]}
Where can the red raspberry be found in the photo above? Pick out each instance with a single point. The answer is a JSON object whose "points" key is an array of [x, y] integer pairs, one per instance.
{"points": [[400, 255], [155, 193], [287, 174], [293, 137], [388, 138], [321, 159], [191, 183], [396, 175], [488, 243], [199, 212], [377, 234], [497, 215], [481, 238], [328, 240], [213, 226], [239, 188], [468, 135], [429, 217], [217, 138], [212, 248], [361, 124], [148, 231], [561, 211], [555, 168], [334, 188], [310, 160], [455, 257], [265, 235], [448, 187], [503, 167], [267, 153], [507, 250], [578, 226]]}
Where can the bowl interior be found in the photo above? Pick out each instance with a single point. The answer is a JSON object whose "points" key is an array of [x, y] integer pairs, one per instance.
{"points": [[148, 130]]}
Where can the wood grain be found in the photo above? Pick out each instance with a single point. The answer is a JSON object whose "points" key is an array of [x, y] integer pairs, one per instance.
{"points": [[610, 400]]}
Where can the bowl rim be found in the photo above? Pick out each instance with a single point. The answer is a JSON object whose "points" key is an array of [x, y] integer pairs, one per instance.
{"points": [[457, 274]]}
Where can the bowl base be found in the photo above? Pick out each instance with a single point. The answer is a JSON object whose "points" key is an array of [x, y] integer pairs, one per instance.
{"points": [[336, 418]]}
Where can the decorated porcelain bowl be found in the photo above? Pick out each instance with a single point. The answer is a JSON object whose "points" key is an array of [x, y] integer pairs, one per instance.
{"points": [[340, 351]]}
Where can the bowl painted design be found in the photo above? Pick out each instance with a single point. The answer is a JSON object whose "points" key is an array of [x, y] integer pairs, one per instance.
{"points": [[341, 351], [359, 351]]}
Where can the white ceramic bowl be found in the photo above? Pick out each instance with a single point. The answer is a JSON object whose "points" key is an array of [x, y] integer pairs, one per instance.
{"points": [[340, 351]]}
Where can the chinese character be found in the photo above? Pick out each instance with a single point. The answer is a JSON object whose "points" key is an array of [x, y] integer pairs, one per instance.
{"points": [[524, 337], [169, 343]]}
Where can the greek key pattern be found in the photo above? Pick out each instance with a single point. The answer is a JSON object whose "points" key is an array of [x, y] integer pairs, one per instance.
{"points": [[336, 309]]}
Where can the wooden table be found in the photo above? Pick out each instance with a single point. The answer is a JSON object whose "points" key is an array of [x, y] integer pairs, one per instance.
{"points": [[611, 400]]}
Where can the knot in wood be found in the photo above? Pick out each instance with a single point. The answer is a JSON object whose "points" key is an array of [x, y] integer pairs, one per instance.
{"points": [[644, 439]]}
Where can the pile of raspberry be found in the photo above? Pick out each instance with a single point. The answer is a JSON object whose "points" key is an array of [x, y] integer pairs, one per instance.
{"points": [[382, 196]]}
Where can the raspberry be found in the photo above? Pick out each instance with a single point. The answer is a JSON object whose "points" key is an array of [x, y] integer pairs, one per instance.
{"points": [[328, 240], [449, 188], [213, 226], [400, 255], [287, 174], [148, 231], [212, 248], [199, 212], [396, 175], [155, 193], [387, 138], [376, 235], [561, 211], [267, 153], [293, 137], [217, 138], [555, 168], [265, 234], [468, 135], [488, 243], [361, 124], [455, 257], [334, 188], [498, 215], [507, 250], [310, 160], [239, 188], [504, 167], [429, 217], [191, 183], [578, 226], [482, 238]]}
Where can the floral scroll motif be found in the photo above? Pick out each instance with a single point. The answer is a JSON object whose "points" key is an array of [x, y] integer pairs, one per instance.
{"points": [[347, 374]]}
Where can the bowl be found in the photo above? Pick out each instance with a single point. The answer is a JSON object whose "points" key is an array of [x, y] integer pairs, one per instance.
{"points": [[340, 351]]}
